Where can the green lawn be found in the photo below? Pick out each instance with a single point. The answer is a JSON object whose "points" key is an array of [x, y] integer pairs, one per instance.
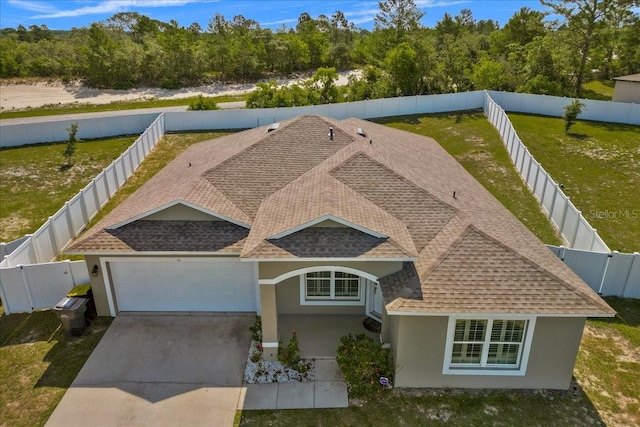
{"points": [[471, 139], [601, 90], [38, 362], [113, 106], [599, 166], [34, 183]]}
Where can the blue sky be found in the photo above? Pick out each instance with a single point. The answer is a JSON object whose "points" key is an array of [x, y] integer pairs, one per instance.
{"points": [[65, 14]]}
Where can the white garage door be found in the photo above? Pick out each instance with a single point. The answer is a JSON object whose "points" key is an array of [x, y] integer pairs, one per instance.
{"points": [[184, 285]]}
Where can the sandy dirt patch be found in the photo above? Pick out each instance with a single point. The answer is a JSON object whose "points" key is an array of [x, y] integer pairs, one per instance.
{"points": [[40, 94]]}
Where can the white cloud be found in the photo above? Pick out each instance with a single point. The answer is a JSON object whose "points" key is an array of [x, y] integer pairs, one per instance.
{"points": [[113, 6], [33, 6]]}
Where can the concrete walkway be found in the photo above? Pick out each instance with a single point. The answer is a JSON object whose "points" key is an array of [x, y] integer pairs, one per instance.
{"points": [[327, 391]]}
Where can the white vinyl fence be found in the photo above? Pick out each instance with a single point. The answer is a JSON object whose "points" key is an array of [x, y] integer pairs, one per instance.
{"points": [[573, 227], [55, 130], [39, 286], [24, 286], [608, 274]]}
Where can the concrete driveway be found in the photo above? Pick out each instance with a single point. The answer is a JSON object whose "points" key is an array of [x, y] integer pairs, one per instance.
{"points": [[160, 370]]}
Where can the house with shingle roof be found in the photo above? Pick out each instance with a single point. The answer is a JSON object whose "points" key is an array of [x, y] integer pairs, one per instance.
{"points": [[318, 216]]}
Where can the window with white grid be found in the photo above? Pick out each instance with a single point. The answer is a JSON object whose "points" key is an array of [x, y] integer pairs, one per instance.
{"points": [[474, 345], [332, 286]]}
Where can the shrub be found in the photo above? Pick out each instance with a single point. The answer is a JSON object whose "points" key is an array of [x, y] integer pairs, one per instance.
{"points": [[256, 330], [290, 355], [363, 362], [571, 113], [201, 103]]}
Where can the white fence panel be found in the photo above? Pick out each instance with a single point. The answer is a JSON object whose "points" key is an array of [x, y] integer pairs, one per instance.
{"points": [[44, 246], [374, 108], [61, 227], [7, 248], [77, 213], [615, 281], [558, 212], [571, 223], [111, 179], [101, 189], [633, 282], [541, 184], [13, 291], [606, 273], [48, 283], [24, 254], [588, 265], [584, 236]]}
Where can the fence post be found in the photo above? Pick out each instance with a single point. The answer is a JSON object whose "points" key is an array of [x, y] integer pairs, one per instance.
{"points": [[604, 273], [636, 257], [593, 239], [67, 214], [26, 288], [83, 208], [564, 214], [553, 201]]}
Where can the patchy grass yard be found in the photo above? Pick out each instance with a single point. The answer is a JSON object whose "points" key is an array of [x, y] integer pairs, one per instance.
{"points": [[38, 362], [34, 183], [599, 166], [54, 110], [471, 139], [608, 365]]}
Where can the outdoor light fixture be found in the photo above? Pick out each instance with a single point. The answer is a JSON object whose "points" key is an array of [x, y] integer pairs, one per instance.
{"points": [[94, 272]]}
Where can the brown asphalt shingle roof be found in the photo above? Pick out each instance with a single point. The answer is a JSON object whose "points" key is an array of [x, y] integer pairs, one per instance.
{"points": [[471, 254]]}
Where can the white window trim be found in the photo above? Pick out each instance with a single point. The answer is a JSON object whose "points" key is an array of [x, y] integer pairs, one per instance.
{"points": [[332, 299], [455, 369]]}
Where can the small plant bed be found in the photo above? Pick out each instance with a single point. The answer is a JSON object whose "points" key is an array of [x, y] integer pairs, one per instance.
{"points": [[288, 367], [367, 366]]}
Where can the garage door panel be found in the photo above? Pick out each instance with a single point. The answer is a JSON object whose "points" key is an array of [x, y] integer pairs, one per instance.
{"points": [[184, 286]]}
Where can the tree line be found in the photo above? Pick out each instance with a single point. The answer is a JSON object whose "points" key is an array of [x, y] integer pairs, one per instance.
{"points": [[531, 53]]}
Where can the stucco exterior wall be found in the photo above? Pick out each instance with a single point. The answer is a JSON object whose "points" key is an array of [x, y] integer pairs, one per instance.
{"points": [[271, 270], [626, 92], [288, 299], [418, 344], [98, 286]]}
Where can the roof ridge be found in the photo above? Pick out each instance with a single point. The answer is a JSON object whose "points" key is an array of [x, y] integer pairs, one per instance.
{"points": [[541, 269]]}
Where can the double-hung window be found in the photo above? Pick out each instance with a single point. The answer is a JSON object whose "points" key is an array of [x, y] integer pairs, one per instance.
{"points": [[331, 286], [488, 346]]}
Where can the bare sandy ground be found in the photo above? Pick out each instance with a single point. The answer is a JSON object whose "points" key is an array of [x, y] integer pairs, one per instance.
{"points": [[21, 96]]}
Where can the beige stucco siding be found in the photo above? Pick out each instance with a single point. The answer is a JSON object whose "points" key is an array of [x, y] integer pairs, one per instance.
{"points": [[418, 344], [626, 92], [271, 270], [98, 286], [288, 297]]}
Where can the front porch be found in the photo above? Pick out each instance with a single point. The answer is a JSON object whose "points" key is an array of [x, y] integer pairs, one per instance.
{"points": [[319, 334]]}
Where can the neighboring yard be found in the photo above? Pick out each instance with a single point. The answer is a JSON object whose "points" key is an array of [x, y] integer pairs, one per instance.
{"points": [[34, 183], [599, 166], [601, 90]]}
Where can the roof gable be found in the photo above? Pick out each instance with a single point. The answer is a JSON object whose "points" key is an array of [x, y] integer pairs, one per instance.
{"points": [[179, 210]]}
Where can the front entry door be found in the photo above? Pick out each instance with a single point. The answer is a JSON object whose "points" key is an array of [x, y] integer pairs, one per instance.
{"points": [[374, 300]]}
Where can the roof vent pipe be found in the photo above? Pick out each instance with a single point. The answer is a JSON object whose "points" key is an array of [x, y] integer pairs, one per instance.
{"points": [[331, 133]]}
